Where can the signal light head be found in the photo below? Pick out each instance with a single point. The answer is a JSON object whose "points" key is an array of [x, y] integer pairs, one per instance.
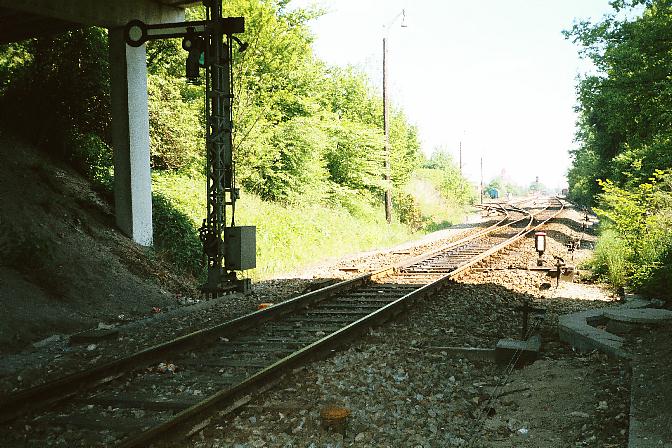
{"points": [[191, 42], [194, 45], [135, 33]]}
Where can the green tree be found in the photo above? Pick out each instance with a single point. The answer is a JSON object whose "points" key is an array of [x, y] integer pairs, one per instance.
{"points": [[294, 170], [454, 186], [641, 218], [349, 94], [175, 124], [626, 107], [625, 141], [302, 131], [355, 156]]}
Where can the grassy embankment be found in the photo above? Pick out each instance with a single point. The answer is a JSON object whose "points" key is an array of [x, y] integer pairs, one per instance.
{"points": [[291, 236], [438, 210]]}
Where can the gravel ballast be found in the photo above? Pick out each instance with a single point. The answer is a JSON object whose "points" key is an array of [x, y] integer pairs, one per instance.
{"points": [[401, 384], [404, 388]]}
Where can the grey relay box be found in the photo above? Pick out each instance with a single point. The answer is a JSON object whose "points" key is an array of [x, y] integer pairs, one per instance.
{"points": [[241, 248]]}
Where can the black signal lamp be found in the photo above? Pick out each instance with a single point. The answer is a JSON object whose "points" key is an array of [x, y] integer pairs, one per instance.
{"points": [[193, 68], [194, 45], [191, 40], [136, 33]]}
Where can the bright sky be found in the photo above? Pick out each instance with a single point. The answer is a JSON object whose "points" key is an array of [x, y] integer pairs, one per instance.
{"points": [[497, 75]]}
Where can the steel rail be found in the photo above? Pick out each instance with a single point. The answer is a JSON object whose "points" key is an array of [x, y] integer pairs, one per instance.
{"points": [[72, 384], [327, 343], [16, 404]]}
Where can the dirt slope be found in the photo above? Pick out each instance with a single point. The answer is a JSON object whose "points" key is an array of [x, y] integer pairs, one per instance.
{"points": [[64, 266]]}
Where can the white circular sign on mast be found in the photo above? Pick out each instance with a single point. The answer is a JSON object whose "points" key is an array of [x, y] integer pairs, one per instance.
{"points": [[136, 33]]}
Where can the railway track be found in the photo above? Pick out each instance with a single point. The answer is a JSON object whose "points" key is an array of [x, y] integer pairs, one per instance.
{"points": [[135, 400]]}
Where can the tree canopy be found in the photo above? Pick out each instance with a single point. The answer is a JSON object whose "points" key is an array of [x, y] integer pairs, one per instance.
{"points": [[625, 108], [303, 131], [624, 159]]}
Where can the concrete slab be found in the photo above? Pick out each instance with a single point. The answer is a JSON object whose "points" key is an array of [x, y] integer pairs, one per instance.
{"points": [[639, 316], [633, 301], [101, 12], [523, 352], [575, 329]]}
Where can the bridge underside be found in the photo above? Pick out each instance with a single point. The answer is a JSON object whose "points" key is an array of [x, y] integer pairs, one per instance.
{"points": [[22, 19]]}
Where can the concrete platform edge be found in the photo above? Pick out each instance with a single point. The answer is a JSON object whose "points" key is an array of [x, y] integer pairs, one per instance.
{"points": [[574, 329]]}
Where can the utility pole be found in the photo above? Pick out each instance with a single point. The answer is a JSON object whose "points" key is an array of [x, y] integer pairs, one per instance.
{"points": [[460, 157], [386, 121], [386, 128], [481, 179]]}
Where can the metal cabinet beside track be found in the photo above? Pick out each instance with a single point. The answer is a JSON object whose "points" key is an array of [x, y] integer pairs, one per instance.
{"points": [[241, 247]]}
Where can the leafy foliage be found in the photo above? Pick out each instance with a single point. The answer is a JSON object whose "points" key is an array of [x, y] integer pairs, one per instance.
{"points": [[454, 186], [306, 136], [296, 170], [15, 58], [91, 156], [626, 108], [625, 137], [609, 261], [58, 85], [290, 235], [175, 130], [639, 223], [439, 209], [176, 237], [355, 156], [304, 131], [408, 210]]}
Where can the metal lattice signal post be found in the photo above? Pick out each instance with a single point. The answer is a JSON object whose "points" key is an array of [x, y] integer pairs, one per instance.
{"points": [[219, 167], [227, 248]]}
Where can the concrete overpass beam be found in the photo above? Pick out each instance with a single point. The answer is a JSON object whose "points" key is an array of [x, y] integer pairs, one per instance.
{"points": [[104, 13], [130, 138]]}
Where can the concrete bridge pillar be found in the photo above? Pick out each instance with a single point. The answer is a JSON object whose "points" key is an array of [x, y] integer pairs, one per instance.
{"points": [[20, 19], [130, 138]]}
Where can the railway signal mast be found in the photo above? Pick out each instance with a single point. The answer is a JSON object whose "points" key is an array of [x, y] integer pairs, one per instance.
{"points": [[209, 43]]}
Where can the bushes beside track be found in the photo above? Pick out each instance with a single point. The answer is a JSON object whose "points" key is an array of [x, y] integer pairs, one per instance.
{"points": [[635, 245], [290, 236], [624, 156]]}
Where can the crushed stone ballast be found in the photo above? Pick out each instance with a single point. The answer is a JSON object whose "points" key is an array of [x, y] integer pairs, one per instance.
{"points": [[137, 399]]}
